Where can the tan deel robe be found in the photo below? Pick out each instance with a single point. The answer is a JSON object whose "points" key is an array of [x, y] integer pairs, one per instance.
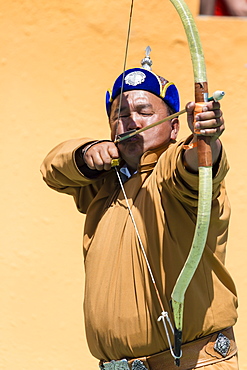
{"points": [[120, 305]]}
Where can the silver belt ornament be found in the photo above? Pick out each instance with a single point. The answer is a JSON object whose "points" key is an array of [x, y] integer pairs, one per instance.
{"points": [[123, 365], [222, 345]]}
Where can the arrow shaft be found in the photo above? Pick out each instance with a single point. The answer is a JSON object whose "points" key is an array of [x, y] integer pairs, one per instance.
{"points": [[136, 132]]}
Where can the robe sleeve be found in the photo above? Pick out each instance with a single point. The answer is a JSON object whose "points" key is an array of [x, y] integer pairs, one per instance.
{"points": [[61, 173], [183, 184]]}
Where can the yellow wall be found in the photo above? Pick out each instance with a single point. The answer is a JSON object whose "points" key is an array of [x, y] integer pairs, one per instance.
{"points": [[57, 57]]}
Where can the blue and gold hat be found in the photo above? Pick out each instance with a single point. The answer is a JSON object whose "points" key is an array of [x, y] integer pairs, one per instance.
{"points": [[144, 79]]}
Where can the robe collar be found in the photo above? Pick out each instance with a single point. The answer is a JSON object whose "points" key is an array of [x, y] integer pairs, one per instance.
{"points": [[149, 159]]}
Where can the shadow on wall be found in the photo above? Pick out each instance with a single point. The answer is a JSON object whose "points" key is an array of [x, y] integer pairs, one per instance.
{"points": [[237, 8]]}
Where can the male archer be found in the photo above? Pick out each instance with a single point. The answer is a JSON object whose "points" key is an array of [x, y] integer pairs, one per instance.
{"points": [[158, 176]]}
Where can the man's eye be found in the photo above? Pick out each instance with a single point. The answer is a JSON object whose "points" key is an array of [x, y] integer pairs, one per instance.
{"points": [[146, 114]]}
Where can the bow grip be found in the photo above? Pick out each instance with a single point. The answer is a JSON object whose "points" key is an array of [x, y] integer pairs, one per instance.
{"points": [[203, 142]]}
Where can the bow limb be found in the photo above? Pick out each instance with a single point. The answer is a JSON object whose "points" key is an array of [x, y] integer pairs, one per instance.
{"points": [[205, 178]]}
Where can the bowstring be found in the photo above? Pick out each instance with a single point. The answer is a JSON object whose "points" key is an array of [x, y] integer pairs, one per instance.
{"points": [[117, 170]]}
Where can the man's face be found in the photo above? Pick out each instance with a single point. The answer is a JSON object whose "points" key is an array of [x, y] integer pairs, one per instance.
{"points": [[140, 109]]}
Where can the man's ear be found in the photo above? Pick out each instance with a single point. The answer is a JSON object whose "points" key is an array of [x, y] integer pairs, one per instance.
{"points": [[175, 128]]}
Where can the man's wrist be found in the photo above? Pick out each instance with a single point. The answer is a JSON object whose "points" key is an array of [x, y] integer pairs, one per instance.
{"points": [[85, 148], [80, 152]]}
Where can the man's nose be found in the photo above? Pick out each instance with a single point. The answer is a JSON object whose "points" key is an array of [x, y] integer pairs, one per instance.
{"points": [[134, 122]]}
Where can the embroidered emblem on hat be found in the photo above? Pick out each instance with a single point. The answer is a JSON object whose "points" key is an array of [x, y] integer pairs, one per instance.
{"points": [[222, 345], [135, 78], [138, 365]]}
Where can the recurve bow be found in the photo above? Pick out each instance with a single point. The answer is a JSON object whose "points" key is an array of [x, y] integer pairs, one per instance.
{"points": [[205, 178]]}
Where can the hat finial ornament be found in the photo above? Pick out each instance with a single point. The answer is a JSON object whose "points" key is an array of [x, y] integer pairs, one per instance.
{"points": [[147, 62]]}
